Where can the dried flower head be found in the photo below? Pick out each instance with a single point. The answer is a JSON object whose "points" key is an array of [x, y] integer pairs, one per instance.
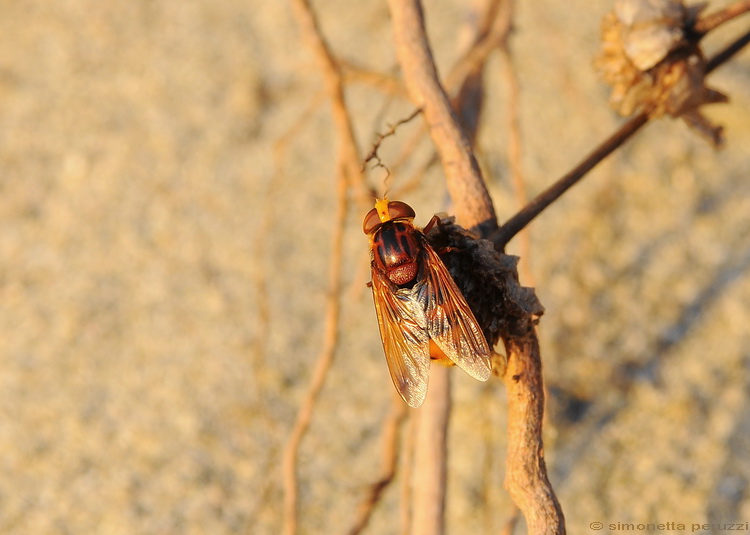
{"points": [[651, 59]]}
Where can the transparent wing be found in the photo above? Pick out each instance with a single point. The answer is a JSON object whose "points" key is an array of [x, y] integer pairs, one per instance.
{"points": [[405, 340], [450, 322]]}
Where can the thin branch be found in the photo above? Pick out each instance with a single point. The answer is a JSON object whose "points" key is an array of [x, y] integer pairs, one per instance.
{"points": [[279, 155], [430, 456], [514, 141], [468, 98], [514, 225], [525, 469], [390, 442], [474, 208], [407, 470], [493, 31], [472, 202], [710, 22], [373, 154], [348, 175], [728, 52], [334, 80], [323, 363], [489, 35], [384, 82]]}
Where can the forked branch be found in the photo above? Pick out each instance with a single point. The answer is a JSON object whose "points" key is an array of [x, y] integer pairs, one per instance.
{"points": [[526, 476]]}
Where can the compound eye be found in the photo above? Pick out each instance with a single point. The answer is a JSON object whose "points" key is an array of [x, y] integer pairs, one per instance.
{"points": [[400, 210], [372, 220]]}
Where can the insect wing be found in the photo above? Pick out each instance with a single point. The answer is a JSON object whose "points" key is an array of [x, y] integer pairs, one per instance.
{"points": [[450, 321], [405, 340]]}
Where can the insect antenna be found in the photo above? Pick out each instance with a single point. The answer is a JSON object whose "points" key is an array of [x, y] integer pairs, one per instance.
{"points": [[387, 181]]}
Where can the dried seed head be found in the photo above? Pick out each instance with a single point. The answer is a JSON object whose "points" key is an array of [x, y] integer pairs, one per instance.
{"points": [[651, 59], [651, 29]]}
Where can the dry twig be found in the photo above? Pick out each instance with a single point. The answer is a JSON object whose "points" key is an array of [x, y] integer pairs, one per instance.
{"points": [[415, 57], [334, 81], [514, 137], [728, 52], [525, 469], [373, 154], [492, 33], [515, 224], [465, 184], [430, 456], [390, 443], [474, 208], [349, 175], [259, 370], [407, 469], [386, 83], [323, 363], [714, 20]]}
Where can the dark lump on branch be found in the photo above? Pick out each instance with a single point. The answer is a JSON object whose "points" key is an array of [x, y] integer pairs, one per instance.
{"points": [[487, 278]]}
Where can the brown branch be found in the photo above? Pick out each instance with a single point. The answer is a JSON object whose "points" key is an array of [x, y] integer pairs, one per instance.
{"points": [[334, 81], [390, 442], [430, 456], [279, 156], [373, 154], [323, 363], [407, 470], [728, 52], [490, 34], [526, 472], [490, 30], [710, 22], [514, 225], [348, 175], [514, 141], [474, 208], [384, 82], [493, 32], [472, 202]]}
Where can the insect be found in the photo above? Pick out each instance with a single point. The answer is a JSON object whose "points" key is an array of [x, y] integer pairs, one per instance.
{"points": [[421, 313]]}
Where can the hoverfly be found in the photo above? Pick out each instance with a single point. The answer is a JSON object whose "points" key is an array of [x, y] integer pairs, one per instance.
{"points": [[421, 312]]}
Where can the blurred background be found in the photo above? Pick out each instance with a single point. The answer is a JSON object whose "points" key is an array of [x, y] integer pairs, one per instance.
{"points": [[167, 188]]}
